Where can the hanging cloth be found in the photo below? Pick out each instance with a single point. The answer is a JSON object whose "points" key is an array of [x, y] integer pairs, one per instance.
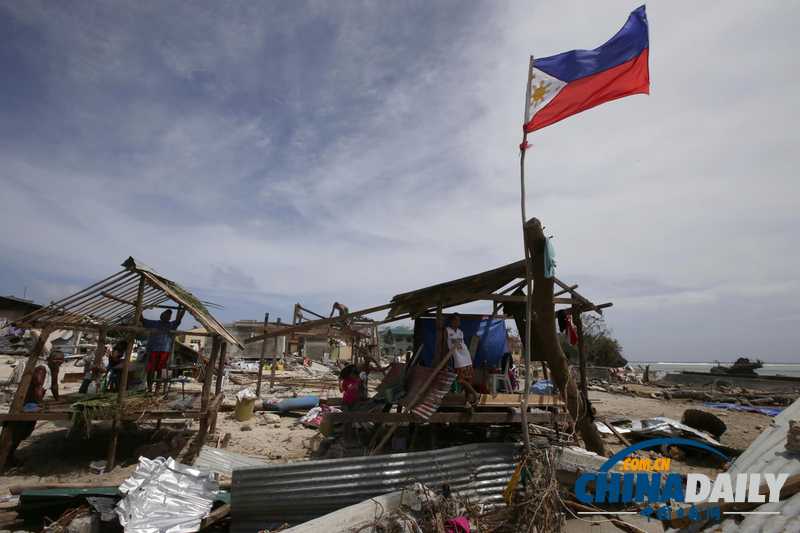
{"points": [[549, 259], [561, 316], [573, 335]]}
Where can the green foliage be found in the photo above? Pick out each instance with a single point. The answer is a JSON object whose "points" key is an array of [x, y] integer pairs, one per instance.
{"points": [[602, 348], [608, 352]]}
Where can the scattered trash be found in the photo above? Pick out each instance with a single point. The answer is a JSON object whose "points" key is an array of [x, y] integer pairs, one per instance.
{"points": [[704, 421], [793, 436], [544, 387], [289, 404], [769, 411]]}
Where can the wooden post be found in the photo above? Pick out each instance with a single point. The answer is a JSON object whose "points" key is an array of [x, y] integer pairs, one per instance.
{"points": [[218, 388], [545, 338], [204, 399], [209, 373], [223, 351], [19, 398], [437, 352], [263, 357], [274, 359], [576, 319], [123, 379]]}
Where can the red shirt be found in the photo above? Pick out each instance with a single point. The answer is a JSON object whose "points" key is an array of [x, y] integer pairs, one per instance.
{"points": [[351, 387]]}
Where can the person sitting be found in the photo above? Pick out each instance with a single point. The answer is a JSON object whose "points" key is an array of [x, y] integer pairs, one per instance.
{"points": [[44, 378], [115, 365]]}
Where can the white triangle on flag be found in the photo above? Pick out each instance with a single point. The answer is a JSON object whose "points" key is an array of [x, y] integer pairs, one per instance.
{"points": [[543, 88]]}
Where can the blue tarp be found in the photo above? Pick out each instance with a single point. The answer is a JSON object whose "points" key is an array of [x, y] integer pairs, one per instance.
{"points": [[491, 331], [769, 411], [545, 387]]}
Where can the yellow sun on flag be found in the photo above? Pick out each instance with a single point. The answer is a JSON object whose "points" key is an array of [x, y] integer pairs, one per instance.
{"points": [[538, 93]]}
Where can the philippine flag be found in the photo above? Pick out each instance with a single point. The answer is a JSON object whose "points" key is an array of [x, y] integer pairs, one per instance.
{"points": [[566, 84]]}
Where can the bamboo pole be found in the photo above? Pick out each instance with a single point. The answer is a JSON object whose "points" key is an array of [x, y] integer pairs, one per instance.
{"points": [[263, 357], [274, 360], [123, 381], [528, 303], [316, 323], [576, 318], [218, 388], [437, 352]]}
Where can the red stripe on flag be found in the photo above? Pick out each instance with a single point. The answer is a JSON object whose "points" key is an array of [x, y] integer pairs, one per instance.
{"points": [[623, 80]]}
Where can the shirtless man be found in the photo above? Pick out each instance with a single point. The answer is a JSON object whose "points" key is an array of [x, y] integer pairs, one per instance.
{"points": [[44, 377]]}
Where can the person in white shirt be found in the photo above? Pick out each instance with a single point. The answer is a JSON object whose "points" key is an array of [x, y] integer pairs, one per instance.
{"points": [[462, 361]]}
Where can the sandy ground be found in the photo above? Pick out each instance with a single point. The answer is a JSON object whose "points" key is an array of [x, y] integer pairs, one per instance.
{"points": [[57, 454]]}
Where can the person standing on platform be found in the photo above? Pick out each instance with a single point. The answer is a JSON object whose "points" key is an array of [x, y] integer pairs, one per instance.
{"points": [[462, 360], [159, 345]]}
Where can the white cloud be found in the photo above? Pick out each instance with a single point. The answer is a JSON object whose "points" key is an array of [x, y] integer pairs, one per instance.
{"points": [[268, 154]]}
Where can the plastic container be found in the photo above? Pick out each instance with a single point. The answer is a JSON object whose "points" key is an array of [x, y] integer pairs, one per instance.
{"points": [[244, 409], [98, 467], [94, 387]]}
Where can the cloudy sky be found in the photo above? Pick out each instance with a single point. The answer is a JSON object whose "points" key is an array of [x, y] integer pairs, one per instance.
{"points": [[268, 153]]}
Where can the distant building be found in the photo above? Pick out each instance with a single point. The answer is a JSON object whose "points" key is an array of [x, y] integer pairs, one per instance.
{"points": [[13, 308], [199, 338], [397, 341]]}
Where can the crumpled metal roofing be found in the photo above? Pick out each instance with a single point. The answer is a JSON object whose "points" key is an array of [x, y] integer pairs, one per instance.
{"points": [[223, 462], [269, 496], [767, 454], [166, 497], [430, 401]]}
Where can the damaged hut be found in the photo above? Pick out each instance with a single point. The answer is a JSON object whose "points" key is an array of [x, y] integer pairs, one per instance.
{"points": [[116, 304]]}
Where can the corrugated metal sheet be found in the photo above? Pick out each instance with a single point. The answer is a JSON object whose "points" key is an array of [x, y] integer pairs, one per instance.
{"points": [[223, 462], [393, 380], [293, 493], [767, 454], [417, 376]]}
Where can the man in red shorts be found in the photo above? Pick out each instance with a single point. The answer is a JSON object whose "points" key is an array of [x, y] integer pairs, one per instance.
{"points": [[159, 345]]}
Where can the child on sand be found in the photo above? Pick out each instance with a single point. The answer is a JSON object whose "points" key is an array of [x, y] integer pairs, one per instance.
{"points": [[349, 386]]}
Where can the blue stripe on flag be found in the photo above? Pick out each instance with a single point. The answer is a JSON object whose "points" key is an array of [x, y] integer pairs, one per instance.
{"points": [[626, 45]]}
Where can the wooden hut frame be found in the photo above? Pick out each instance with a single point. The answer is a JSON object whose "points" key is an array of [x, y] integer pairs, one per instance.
{"points": [[495, 286], [110, 304]]}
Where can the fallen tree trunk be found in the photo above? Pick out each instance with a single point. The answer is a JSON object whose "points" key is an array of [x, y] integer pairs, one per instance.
{"points": [[544, 339]]}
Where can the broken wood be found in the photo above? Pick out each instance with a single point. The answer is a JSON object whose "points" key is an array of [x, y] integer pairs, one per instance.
{"points": [[262, 359], [216, 515], [545, 338]]}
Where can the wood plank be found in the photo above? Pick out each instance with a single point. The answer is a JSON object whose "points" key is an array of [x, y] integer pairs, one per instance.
{"points": [[504, 400], [467, 417], [216, 515], [317, 323]]}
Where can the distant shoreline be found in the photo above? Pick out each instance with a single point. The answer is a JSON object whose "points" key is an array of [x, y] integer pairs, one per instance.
{"points": [[769, 369]]}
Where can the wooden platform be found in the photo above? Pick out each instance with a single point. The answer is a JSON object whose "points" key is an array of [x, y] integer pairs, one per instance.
{"points": [[192, 411], [466, 417]]}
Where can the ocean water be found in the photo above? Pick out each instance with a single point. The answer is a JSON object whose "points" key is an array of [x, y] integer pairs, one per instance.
{"points": [[769, 369]]}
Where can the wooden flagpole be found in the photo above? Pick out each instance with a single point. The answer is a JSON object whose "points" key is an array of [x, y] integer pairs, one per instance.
{"points": [[526, 352]]}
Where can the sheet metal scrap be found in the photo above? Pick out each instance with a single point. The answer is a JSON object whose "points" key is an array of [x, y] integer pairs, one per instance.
{"points": [[431, 399], [166, 496], [269, 496]]}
